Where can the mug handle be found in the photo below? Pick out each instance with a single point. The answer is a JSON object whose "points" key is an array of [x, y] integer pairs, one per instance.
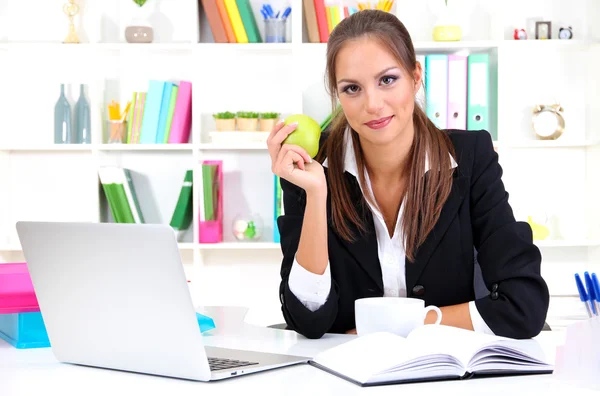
{"points": [[437, 311]]}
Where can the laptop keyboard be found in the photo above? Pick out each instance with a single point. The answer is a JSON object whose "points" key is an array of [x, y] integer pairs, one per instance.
{"points": [[224, 364]]}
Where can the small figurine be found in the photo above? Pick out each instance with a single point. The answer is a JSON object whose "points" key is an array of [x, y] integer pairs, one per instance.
{"points": [[565, 33], [520, 34]]}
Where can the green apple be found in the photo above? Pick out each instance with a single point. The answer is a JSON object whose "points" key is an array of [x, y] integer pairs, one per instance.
{"points": [[306, 134]]}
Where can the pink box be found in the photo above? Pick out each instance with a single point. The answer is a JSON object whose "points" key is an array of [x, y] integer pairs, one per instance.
{"points": [[16, 289]]}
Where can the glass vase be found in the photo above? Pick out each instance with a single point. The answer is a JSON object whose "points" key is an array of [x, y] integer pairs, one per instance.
{"points": [[82, 119], [62, 119]]}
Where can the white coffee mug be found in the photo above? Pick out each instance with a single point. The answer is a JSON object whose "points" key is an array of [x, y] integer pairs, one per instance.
{"points": [[392, 314]]}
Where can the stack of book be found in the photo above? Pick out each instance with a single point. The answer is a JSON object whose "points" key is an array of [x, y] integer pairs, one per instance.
{"points": [[161, 115]]}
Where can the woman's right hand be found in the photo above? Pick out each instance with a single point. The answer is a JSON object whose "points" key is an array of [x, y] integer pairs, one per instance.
{"points": [[293, 163]]}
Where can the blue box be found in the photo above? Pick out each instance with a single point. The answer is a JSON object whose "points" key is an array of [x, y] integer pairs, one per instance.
{"points": [[24, 330], [27, 330]]}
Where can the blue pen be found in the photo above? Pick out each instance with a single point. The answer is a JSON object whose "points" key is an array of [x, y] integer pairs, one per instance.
{"points": [[596, 286], [583, 295], [270, 11], [591, 291], [286, 13], [264, 14]]}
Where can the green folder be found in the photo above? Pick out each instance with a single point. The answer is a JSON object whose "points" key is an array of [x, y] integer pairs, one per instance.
{"points": [[182, 216], [478, 96], [208, 190], [249, 21]]}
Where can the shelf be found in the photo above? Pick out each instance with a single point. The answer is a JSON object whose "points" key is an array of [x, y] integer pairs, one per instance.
{"points": [[549, 143], [245, 46], [50, 147], [238, 146], [240, 246], [146, 147]]}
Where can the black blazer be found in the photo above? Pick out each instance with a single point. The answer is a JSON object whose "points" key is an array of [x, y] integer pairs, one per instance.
{"points": [[476, 215]]}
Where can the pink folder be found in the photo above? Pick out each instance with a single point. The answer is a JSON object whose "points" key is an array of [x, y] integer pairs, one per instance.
{"points": [[457, 92], [182, 117], [17, 294]]}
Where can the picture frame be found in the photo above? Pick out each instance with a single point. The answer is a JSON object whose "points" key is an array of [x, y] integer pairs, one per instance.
{"points": [[543, 30]]}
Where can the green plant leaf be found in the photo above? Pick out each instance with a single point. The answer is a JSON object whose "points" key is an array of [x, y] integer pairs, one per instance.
{"points": [[140, 2], [247, 114], [225, 115], [269, 115]]}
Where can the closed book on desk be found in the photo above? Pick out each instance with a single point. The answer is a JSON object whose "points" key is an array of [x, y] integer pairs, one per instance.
{"points": [[431, 353]]}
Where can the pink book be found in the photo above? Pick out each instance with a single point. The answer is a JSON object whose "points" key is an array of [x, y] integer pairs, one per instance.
{"points": [[182, 117], [457, 92]]}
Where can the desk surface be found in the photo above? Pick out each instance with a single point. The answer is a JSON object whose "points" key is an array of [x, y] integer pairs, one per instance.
{"points": [[36, 371]]}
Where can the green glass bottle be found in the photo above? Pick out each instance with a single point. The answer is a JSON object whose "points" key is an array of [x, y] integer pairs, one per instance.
{"points": [[62, 119], [82, 119]]}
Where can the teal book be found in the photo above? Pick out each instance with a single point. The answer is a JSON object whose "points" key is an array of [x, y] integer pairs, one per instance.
{"points": [[277, 208], [153, 103], [164, 112]]}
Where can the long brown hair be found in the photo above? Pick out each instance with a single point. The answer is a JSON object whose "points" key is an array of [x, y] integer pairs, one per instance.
{"points": [[423, 199]]}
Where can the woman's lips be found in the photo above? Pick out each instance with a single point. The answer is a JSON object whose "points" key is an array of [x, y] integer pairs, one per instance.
{"points": [[380, 123]]}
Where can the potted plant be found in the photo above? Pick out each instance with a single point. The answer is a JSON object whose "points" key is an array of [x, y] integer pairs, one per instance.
{"points": [[447, 27], [266, 121], [247, 121], [139, 29], [225, 121]]}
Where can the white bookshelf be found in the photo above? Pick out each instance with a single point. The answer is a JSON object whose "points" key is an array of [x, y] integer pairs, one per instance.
{"points": [[41, 180]]}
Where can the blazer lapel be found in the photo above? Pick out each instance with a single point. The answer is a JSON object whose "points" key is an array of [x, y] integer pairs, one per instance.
{"points": [[423, 254], [364, 248]]}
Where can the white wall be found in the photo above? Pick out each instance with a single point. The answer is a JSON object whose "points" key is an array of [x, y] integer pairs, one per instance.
{"points": [[62, 185]]}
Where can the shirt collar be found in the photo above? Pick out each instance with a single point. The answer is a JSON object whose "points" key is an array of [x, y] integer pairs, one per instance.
{"points": [[350, 164]]}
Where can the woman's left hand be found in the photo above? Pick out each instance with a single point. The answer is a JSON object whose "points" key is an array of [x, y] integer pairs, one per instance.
{"points": [[353, 331]]}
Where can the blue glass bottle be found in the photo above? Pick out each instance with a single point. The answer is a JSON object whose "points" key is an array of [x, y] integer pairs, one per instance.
{"points": [[62, 119], [82, 119]]}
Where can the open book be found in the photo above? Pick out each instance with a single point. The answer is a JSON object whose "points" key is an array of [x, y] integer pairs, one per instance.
{"points": [[431, 352]]}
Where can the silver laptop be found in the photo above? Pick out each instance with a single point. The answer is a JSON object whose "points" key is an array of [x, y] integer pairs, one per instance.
{"points": [[116, 296]]}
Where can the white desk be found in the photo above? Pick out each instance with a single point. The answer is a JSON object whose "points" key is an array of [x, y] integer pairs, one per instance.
{"points": [[36, 372]]}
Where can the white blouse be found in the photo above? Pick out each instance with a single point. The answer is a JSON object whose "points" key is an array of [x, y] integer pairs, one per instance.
{"points": [[312, 289]]}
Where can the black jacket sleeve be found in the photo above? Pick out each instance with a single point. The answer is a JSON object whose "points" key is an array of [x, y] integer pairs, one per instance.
{"points": [[297, 316], [510, 262]]}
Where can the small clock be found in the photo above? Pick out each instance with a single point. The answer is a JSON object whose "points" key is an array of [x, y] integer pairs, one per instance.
{"points": [[565, 33], [548, 121]]}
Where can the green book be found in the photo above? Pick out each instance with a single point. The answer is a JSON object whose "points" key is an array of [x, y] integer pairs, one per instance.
{"points": [[122, 203], [248, 21], [120, 194], [110, 200], [172, 103], [182, 215]]}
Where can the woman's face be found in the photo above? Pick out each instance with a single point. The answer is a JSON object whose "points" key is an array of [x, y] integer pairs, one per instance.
{"points": [[375, 92]]}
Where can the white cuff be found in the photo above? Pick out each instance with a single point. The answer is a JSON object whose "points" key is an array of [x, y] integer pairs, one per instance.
{"points": [[479, 324], [311, 289]]}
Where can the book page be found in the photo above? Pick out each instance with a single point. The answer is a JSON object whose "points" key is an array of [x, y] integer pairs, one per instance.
{"points": [[460, 343], [477, 351], [364, 356], [377, 356]]}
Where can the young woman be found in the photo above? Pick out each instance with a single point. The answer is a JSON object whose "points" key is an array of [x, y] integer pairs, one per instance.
{"points": [[393, 206]]}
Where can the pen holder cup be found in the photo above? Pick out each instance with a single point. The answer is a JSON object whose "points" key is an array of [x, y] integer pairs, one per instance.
{"points": [[275, 30], [117, 131], [578, 359]]}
